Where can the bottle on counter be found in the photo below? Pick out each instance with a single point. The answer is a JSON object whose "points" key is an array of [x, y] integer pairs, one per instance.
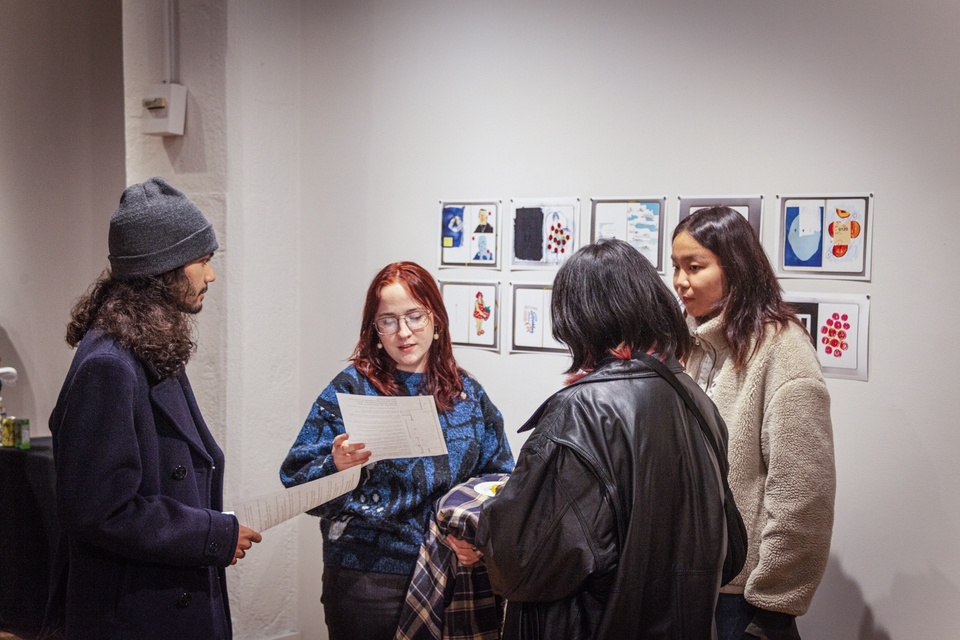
{"points": [[8, 435]]}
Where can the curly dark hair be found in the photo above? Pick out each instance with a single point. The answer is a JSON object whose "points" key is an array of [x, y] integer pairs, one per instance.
{"points": [[442, 377], [145, 315]]}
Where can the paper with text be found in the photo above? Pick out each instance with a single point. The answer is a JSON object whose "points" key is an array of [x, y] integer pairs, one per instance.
{"points": [[267, 511], [393, 426]]}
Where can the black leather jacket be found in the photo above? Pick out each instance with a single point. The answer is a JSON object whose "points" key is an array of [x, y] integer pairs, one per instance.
{"points": [[612, 524]]}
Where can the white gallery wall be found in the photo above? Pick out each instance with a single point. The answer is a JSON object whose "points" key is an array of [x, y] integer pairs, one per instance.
{"points": [[322, 135], [409, 103]]}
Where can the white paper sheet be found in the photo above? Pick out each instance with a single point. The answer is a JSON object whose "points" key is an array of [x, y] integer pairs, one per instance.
{"points": [[269, 510], [393, 426]]}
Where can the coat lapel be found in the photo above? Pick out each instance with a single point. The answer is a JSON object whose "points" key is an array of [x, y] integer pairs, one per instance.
{"points": [[169, 398]]}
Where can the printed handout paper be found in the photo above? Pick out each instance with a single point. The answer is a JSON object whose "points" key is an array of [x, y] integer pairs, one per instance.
{"points": [[393, 426], [269, 510]]}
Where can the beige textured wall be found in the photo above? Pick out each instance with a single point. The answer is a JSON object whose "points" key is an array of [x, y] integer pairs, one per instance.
{"points": [[407, 103], [61, 174]]}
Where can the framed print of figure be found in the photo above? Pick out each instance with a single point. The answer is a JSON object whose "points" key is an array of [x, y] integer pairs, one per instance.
{"points": [[638, 221], [544, 232], [532, 330], [470, 234], [474, 312], [825, 236], [750, 207], [838, 325]]}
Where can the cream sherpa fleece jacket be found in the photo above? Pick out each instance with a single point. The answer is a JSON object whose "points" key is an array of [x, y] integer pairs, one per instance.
{"points": [[782, 474]]}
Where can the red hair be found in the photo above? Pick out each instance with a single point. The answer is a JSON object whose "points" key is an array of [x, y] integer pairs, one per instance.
{"points": [[442, 377], [621, 352]]}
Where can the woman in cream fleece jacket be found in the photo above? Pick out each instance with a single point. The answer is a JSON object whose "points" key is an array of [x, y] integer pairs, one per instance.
{"points": [[757, 362]]}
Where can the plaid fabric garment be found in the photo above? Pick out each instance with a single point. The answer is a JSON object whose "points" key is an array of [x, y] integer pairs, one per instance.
{"points": [[447, 600]]}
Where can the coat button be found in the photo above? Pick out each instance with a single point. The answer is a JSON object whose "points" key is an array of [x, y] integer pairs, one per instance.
{"points": [[183, 601], [179, 473], [214, 547]]}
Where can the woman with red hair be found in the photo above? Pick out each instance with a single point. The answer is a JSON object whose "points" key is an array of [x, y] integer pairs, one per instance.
{"points": [[372, 535]]}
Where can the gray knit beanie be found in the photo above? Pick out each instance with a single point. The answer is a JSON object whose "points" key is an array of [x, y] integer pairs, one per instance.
{"points": [[156, 229]]}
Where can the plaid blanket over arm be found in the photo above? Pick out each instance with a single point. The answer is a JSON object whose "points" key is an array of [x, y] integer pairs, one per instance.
{"points": [[447, 601]]}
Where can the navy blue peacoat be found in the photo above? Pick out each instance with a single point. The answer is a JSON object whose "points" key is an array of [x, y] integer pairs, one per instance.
{"points": [[139, 495]]}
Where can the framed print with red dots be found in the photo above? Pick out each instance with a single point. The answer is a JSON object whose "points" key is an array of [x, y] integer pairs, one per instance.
{"points": [[545, 232], [838, 324], [823, 236]]}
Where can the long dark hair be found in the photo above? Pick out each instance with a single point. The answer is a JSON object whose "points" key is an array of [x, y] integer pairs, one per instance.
{"points": [[442, 377], [144, 315], [606, 298], [753, 295]]}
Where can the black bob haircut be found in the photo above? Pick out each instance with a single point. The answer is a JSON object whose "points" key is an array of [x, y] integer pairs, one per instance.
{"points": [[608, 296]]}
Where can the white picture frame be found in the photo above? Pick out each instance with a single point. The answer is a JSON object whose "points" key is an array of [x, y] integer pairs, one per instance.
{"points": [[473, 309], [825, 236], [544, 232], [839, 325]]}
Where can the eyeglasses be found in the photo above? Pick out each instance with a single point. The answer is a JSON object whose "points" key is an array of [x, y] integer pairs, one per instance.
{"points": [[416, 321]]}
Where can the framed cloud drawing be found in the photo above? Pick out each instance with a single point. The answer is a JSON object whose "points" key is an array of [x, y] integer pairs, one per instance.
{"points": [[638, 221]]}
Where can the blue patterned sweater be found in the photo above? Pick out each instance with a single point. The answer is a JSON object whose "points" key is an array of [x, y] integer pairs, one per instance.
{"points": [[380, 525]]}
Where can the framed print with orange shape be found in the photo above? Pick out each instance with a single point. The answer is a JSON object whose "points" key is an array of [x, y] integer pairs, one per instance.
{"points": [[825, 236]]}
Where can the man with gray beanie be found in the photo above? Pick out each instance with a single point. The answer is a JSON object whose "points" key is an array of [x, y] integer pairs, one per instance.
{"points": [[143, 542]]}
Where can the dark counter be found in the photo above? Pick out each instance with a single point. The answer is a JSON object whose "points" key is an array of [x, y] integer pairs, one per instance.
{"points": [[28, 535]]}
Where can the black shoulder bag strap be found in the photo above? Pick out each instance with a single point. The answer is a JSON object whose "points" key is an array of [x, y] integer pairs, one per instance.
{"points": [[736, 531]]}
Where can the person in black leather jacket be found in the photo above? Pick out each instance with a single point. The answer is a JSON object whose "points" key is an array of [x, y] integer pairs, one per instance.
{"points": [[612, 524]]}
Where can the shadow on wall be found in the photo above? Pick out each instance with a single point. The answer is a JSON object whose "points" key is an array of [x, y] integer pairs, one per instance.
{"points": [[839, 611], [17, 397], [927, 604]]}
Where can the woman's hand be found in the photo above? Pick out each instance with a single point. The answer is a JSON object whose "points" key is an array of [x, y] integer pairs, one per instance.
{"points": [[347, 454], [467, 554]]}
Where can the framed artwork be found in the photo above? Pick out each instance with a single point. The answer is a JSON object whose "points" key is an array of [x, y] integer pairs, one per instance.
{"points": [[838, 324], [532, 330], [825, 236], [750, 207], [470, 234], [474, 312], [638, 221], [545, 232]]}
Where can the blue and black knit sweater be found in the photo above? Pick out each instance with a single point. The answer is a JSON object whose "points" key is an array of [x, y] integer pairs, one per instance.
{"points": [[380, 525]]}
